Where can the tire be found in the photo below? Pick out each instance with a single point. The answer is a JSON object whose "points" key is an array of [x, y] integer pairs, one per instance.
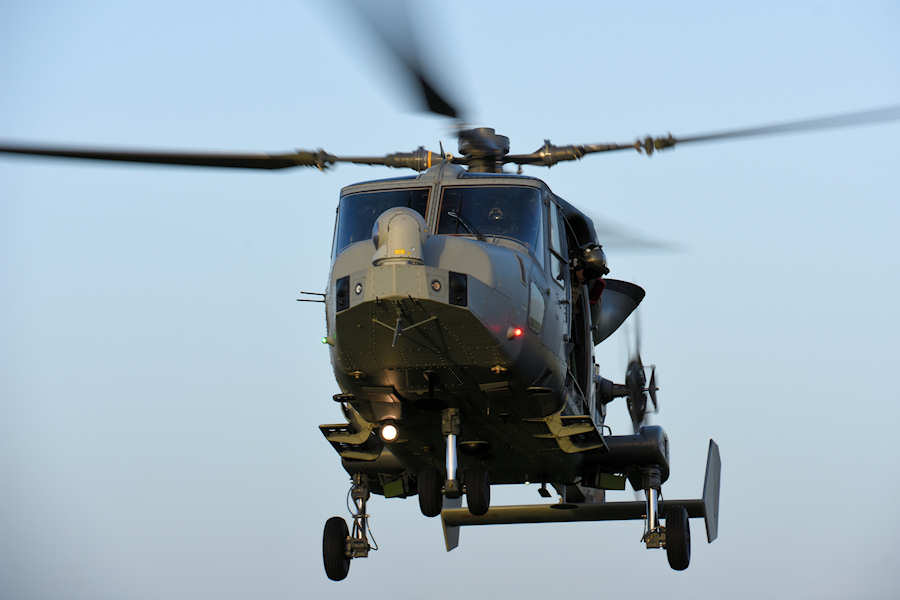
{"points": [[430, 498], [334, 549], [478, 491], [678, 538]]}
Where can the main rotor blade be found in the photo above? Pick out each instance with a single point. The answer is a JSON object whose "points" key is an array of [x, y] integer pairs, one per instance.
{"points": [[392, 26], [299, 158], [548, 155], [866, 117], [615, 237], [417, 160]]}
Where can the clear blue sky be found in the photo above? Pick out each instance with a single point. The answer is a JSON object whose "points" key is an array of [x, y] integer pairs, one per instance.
{"points": [[161, 388]]}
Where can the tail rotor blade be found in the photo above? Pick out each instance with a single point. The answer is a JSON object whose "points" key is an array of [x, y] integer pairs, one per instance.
{"points": [[637, 333]]}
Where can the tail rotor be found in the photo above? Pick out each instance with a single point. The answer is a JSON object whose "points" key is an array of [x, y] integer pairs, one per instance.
{"points": [[636, 383]]}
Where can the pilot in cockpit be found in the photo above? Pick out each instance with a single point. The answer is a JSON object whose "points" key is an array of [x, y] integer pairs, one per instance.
{"points": [[589, 266], [500, 225]]}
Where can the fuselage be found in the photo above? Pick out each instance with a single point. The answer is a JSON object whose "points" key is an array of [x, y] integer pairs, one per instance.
{"points": [[461, 297]]}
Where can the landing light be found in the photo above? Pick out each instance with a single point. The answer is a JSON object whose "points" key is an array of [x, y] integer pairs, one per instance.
{"points": [[389, 432], [514, 332]]}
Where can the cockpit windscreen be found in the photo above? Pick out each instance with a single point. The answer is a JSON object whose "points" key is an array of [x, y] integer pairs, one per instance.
{"points": [[500, 211], [357, 212]]}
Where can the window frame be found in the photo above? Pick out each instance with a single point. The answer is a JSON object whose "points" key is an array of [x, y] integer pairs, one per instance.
{"points": [[554, 254], [535, 252], [335, 251]]}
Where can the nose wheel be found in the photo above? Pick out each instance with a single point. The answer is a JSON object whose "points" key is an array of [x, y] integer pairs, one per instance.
{"points": [[478, 491], [477, 483], [430, 497], [433, 487]]}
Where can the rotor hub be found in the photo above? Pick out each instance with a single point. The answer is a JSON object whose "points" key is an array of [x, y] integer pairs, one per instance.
{"points": [[484, 148]]}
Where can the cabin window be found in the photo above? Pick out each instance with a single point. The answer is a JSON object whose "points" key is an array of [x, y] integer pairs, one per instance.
{"points": [[558, 262], [512, 212], [357, 213]]}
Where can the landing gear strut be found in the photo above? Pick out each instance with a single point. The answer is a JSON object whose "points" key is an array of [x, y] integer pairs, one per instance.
{"points": [[654, 534], [675, 536], [450, 429], [340, 545], [432, 485], [477, 482]]}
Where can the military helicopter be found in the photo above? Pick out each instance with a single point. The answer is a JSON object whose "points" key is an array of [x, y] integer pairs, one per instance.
{"points": [[462, 310]]}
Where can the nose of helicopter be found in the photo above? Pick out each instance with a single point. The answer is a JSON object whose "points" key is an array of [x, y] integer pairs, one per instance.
{"points": [[421, 303], [410, 266]]}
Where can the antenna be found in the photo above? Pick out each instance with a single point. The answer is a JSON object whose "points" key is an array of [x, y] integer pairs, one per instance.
{"points": [[322, 300]]}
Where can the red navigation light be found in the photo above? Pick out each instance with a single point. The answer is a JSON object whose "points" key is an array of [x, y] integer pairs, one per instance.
{"points": [[514, 332]]}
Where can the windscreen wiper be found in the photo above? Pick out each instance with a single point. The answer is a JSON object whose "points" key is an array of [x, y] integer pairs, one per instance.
{"points": [[467, 225]]}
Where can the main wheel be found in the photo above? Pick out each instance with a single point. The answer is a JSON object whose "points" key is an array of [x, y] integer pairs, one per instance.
{"points": [[430, 498], [334, 549], [678, 538], [478, 491]]}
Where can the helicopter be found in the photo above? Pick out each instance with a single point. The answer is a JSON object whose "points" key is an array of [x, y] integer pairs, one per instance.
{"points": [[398, 396]]}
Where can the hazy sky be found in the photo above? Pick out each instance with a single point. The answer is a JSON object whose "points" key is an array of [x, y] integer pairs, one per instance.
{"points": [[161, 389]]}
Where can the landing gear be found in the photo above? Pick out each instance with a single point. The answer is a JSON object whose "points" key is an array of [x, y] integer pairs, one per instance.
{"points": [[432, 486], [450, 430], [478, 486], [334, 548], [430, 499], [678, 538], [339, 545], [655, 534], [675, 536], [478, 490]]}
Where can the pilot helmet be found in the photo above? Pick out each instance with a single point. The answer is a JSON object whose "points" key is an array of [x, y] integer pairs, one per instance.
{"points": [[593, 260]]}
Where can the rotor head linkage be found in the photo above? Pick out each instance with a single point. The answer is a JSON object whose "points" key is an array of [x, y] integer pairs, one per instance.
{"points": [[549, 154], [483, 149]]}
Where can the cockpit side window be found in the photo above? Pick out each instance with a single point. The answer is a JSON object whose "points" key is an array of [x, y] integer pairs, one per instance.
{"points": [[512, 212], [358, 212], [558, 263]]}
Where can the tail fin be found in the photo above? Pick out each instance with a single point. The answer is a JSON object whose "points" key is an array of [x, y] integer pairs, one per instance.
{"points": [[451, 532], [711, 491]]}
